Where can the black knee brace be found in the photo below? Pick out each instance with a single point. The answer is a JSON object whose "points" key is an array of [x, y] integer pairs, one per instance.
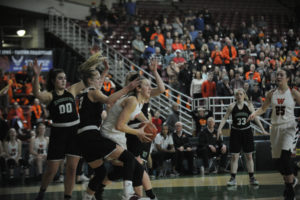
{"points": [[284, 163], [129, 165], [138, 174], [116, 173], [96, 181]]}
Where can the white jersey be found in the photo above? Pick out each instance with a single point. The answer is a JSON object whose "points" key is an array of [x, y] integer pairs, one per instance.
{"points": [[282, 107], [40, 146], [108, 128], [13, 149], [163, 142]]}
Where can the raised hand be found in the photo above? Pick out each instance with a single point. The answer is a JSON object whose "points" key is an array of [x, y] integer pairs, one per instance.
{"points": [[105, 63], [153, 64], [36, 67], [133, 84]]}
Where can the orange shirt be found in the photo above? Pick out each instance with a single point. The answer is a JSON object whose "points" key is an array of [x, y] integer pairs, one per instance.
{"points": [[192, 47], [160, 39], [217, 57], [256, 76], [225, 52], [176, 46], [37, 110]]}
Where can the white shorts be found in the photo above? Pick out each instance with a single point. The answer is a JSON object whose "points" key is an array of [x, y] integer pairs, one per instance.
{"points": [[120, 139], [283, 137]]}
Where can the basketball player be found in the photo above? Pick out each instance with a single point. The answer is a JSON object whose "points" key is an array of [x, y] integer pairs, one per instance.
{"points": [[93, 145], [62, 108], [241, 136], [283, 132], [138, 148]]}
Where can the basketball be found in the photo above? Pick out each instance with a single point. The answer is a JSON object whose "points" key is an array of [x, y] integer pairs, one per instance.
{"points": [[149, 128]]}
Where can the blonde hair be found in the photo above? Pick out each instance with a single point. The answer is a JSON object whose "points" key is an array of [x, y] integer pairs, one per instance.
{"points": [[91, 62], [246, 98]]}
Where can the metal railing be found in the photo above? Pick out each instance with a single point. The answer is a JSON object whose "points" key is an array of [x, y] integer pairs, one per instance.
{"points": [[219, 105]]}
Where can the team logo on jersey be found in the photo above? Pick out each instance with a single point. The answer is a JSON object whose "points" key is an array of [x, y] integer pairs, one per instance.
{"points": [[280, 101]]}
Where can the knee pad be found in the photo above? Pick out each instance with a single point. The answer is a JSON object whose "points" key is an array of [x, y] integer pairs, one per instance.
{"points": [[285, 163], [127, 158], [129, 164], [138, 174], [96, 181], [116, 173]]}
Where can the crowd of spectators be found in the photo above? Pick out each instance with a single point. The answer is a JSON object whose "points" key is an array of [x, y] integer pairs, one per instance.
{"points": [[201, 57], [192, 45], [198, 56]]}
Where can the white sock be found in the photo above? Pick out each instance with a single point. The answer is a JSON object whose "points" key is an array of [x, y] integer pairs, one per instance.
{"points": [[128, 189], [87, 196]]}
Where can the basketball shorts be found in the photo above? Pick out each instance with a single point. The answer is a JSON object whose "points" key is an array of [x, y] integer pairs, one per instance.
{"points": [[119, 138], [283, 137], [241, 140], [138, 148], [62, 142], [94, 146]]}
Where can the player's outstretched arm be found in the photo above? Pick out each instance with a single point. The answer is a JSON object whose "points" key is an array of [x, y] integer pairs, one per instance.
{"points": [[160, 84], [296, 95], [263, 108], [45, 96]]}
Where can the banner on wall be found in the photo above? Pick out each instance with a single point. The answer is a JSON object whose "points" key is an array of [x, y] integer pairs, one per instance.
{"points": [[13, 60]]}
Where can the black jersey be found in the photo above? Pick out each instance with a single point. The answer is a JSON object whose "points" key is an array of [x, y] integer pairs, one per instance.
{"points": [[62, 110], [239, 117], [89, 112]]}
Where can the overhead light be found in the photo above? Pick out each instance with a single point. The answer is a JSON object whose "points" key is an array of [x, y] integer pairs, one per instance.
{"points": [[21, 32]]}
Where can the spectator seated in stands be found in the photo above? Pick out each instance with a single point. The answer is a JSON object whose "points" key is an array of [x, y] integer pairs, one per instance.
{"points": [[94, 28], [193, 33], [211, 146], [185, 78], [229, 53], [200, 117], [255, 96], [157, 121], [38, 113], [173, 117], [217, 56], [138, 48], [224, 89], [159, 35], [108, 87], [172, 72], [149, 50], [13, 150], [163, 150], [237, 82], [208, 87], [253, 75], [183, 149], [196, 84], [38, 149], [106, 29], [177, 45], [16, 117], [159, 58]]}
